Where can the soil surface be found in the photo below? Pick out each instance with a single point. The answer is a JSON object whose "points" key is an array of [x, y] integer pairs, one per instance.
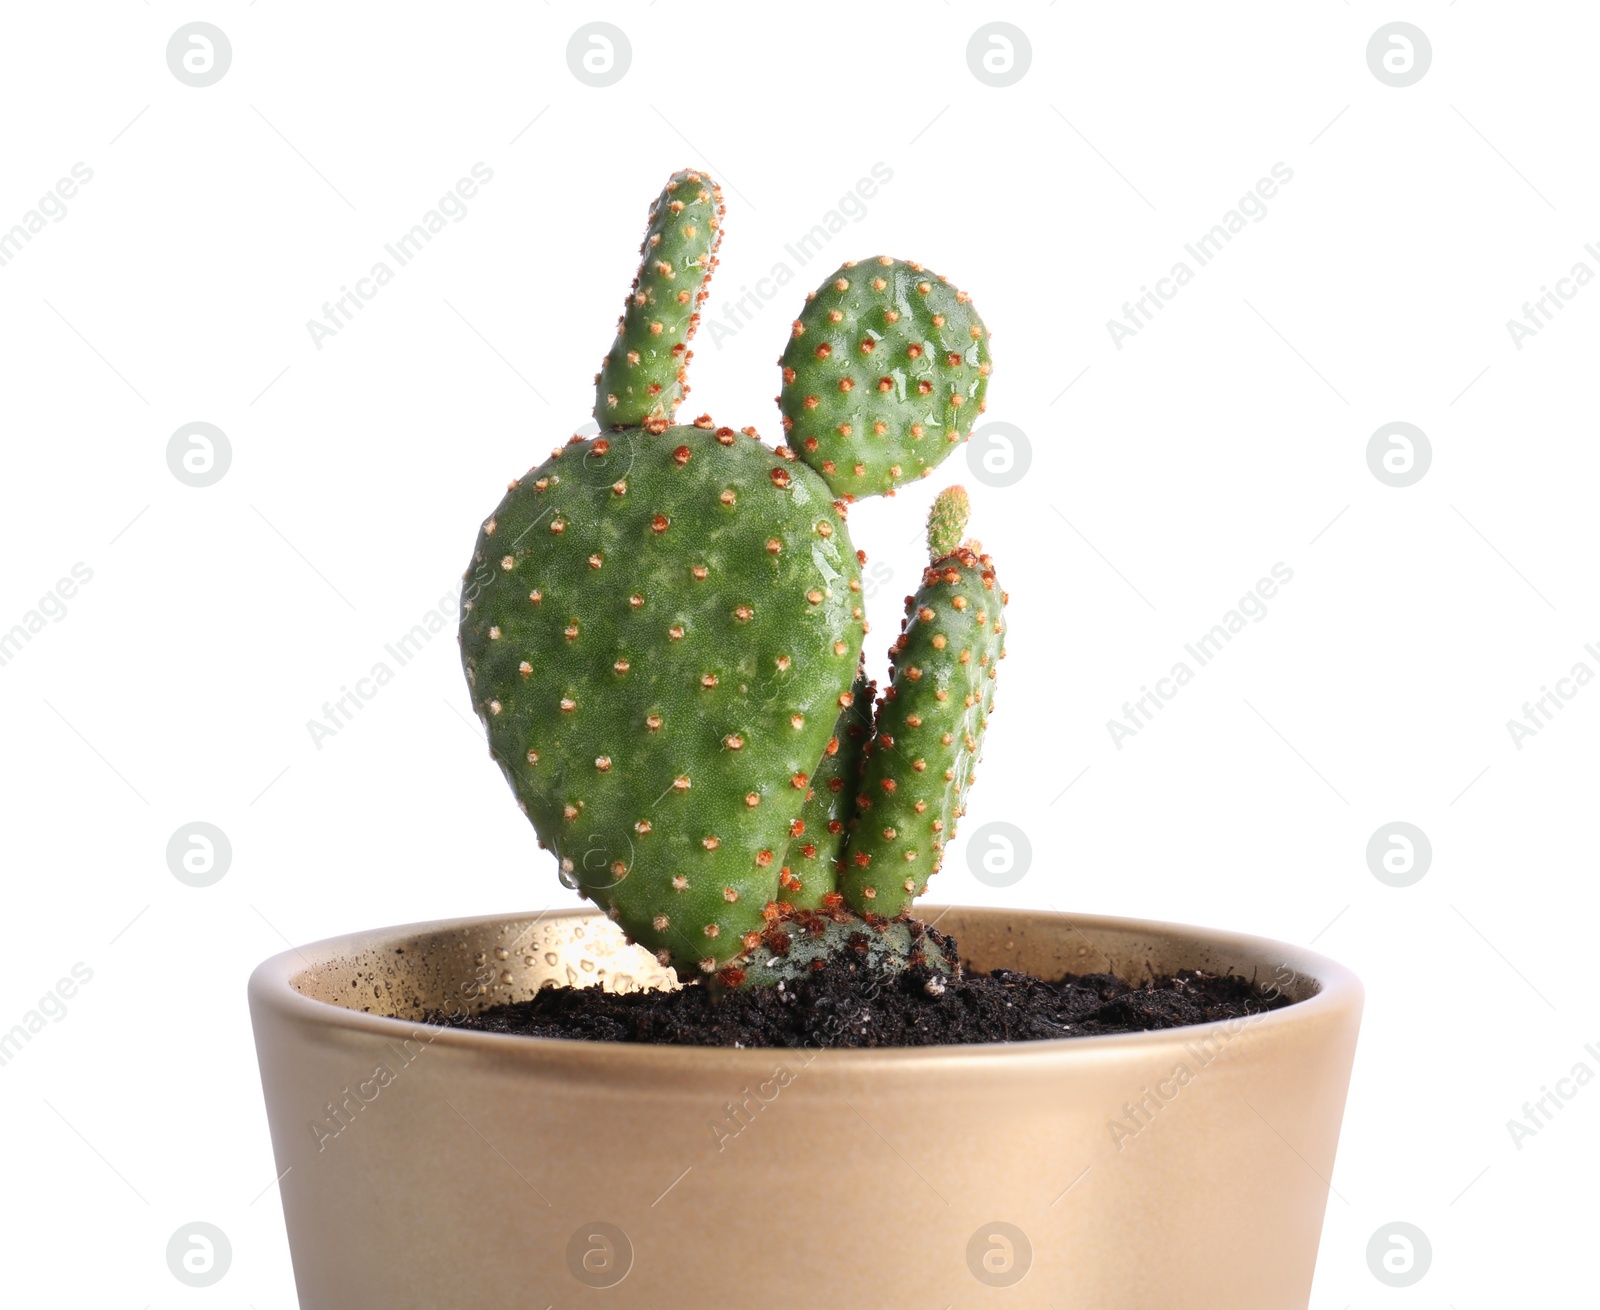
{"points": [[840, 1005]]}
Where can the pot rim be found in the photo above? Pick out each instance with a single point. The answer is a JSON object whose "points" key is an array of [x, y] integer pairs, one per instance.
{"points": [[272, 987]]}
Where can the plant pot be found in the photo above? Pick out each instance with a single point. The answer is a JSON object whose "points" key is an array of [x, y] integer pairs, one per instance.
{"points": [[431, 1167]]}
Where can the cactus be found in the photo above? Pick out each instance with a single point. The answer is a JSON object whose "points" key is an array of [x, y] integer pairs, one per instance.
{"points": [[947, 521], [929, 727], [809, 876], [886, 370], [644, 376], [663, 624], [659, 661]]}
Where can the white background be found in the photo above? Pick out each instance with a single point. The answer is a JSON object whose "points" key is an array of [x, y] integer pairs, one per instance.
{"points": [[1228, 435]]}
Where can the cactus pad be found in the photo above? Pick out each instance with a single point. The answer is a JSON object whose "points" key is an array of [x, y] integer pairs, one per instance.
{"points": [[928, 733], [809, 877], [884, 375], [659, 660], [643, 378]]}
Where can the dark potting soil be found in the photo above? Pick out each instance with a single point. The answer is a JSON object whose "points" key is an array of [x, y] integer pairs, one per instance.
{"points": [[841, 1005]]}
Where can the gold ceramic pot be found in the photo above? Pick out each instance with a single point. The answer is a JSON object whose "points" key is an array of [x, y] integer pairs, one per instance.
{"points": [[433, 1168]]}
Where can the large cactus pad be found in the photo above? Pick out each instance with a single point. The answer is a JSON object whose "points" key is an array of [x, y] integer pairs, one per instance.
{"points": [[660, 658]]}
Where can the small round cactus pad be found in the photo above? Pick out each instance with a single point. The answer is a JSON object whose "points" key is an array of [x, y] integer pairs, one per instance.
{"points": [[884, 375]]}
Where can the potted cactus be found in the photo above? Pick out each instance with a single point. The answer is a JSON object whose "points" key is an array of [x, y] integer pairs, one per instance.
{"points": [[667, 655], [662, 629]]}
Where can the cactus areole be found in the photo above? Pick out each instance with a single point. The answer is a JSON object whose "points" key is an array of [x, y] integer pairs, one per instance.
{"points": [[662, 627]]}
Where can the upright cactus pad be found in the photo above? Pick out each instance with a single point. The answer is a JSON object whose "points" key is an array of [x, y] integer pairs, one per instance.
{"points": [[928, 734], [659, 661], [884, 375], [662, 630], [809, 877], [643, 378]]}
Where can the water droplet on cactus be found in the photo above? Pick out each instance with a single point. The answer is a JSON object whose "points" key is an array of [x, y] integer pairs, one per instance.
{"points": [[569, 878]]}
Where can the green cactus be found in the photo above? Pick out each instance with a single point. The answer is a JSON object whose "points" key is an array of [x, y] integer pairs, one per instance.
{"points": [[797, 940], [643, 377], [662, 633], [886, 371], [947, 521], [659, 661], [809, 877], [928, 733]]}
